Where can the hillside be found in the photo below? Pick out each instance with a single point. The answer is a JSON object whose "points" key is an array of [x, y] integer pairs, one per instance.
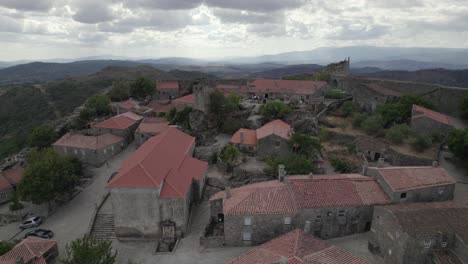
{"points": [[458, 78], [46, 71], [287, 71], [407, 65]]}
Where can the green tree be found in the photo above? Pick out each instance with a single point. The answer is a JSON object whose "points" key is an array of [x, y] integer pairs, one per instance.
{"points": [[347, 108], [294, 164], [171, 115], [372, 124], [399, 112], [48, 175], [275, 110], [142, 87], [120, 91], [89, 250], [231, 125], [15, 204], [182, 118], [217, 101], [458, 143], [42, 137], [305, 145], [232, 103], [5, 247], [357, 119], [343, 166], [398, 133], [230, 154], [421, 143], [335, 94], [99, 105], [464, 107]]}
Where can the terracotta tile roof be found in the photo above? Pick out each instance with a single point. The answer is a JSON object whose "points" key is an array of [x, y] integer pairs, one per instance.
{"points": [[75, 140], [29, 249], [409, 178], [302, 192], [11, 177], [163, 158], [128, 105], [419, 111], [168, 85], [277, 127], [250, 137], [154, 120], [122, 121], [427, 219], [297, 247], [337, 190], [445, 257], [228, 88], [185, 100], [382, 90], [152, 128], [286, 86]]}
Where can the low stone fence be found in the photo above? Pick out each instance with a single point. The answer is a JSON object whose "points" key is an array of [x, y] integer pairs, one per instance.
{"points": [[212, 242]]}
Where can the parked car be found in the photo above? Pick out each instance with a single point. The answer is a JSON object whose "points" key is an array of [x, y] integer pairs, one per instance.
{"points": [[42, 233], [31, 222]]}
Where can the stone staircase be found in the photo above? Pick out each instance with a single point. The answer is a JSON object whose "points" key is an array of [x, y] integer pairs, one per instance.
{"points": [[103, 226]]}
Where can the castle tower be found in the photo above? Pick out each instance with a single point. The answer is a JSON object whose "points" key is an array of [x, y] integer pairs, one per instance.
{"points": [[201, 94]]}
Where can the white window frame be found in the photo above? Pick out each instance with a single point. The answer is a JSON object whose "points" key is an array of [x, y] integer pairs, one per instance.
{"points": [[427, 243], [341, 212], [246, 236], [247, 221], [287, 220]]}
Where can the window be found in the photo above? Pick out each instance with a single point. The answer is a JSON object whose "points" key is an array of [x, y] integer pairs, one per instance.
{"points": [[443, 244], [247, 221], [441, 190], [246, 236], [217, 203], [250, 148], [403, 196], [287, 220], [307, 96], [341, 213], [277, 143], [318, 219], [75, 151], [427, 243]]}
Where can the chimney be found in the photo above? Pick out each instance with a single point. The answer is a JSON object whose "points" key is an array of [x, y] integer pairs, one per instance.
{"points": [[283, 260], [380, 163], [228, 192], [241, 134], [307, 227], [435, 164], [281, 172]]}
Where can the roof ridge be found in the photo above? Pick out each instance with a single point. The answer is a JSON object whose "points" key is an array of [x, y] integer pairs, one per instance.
{"points": [[148, 174], [168, 183]]}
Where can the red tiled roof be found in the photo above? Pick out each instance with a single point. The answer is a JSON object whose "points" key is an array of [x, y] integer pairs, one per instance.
{"points": [[419, 111], [185, 100], [163, 158], [297, 248], [29, 249], [228, 88], [168, 85], [152, 128], [408, 178], [305, 191], [277, 127], [87, 142], [129, 104], [250, 137], [11, 177], [445, 257], [382, 90], [286, 86], [427, 219], [122, 121], [164, 106]]}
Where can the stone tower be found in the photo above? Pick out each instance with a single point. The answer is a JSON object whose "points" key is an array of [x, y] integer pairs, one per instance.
{"points": [[201, 94]]}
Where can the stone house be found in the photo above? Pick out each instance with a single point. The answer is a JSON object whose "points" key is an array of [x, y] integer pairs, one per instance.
{"points": [[32, 250], [150, 127], [414, 184], [429, 122], [184, 101], [335, 205], [130, 105], [168, 90], [368, 96], [157, 184], [93, 150], [272, 138], [9, 179], [420, 233], [297, 247], [123, 125]]}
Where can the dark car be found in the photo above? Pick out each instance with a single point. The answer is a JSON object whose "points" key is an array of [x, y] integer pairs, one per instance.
{"points": [[31, 222], [42, 233]]}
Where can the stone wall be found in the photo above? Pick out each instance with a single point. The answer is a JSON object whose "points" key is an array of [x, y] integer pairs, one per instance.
{"points": [[92, 157], [5, 195], [127, 134], [461, 249], [168, 93], [427, 126], [212, 241], [271, 145]]}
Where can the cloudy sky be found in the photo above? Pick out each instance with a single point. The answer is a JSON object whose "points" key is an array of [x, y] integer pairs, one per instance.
{"points": [[45, 29]]}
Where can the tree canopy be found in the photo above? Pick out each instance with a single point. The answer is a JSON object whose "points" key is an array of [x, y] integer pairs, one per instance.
{"points": [[89, 250], [230, 154], [99, 105], [294, 164], [275, 110], [142, 87], [400, 111], [120, 90], [305, 145], [48, 175], [42, 136], [222, 107], [458, 143], [464, 107]]}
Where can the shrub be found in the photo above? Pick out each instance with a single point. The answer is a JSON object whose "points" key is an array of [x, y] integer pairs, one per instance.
{"points": [[357, 119], [231, 125], [464, 107], [230, 154], [142, 87], [5, 247], [397, 134], [275, 110], [120, 91], [421, 143], [294, 164], [42, 136], [343, 166], [324, 135], [347, 108], [399, 112], [458, 143], [372, 124], [335, 94]]}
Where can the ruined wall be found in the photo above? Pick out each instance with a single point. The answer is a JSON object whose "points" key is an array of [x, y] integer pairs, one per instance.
{"points": [[92, 157], [427, 126]]}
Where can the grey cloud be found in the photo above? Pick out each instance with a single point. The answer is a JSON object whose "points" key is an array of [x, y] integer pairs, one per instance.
{"points": [[93, 13], [162, 4], [395, 3], [359, 32], [259, 6], [28, 5], [247, 17], [453, 24], [267, 30], [8, 24]]}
